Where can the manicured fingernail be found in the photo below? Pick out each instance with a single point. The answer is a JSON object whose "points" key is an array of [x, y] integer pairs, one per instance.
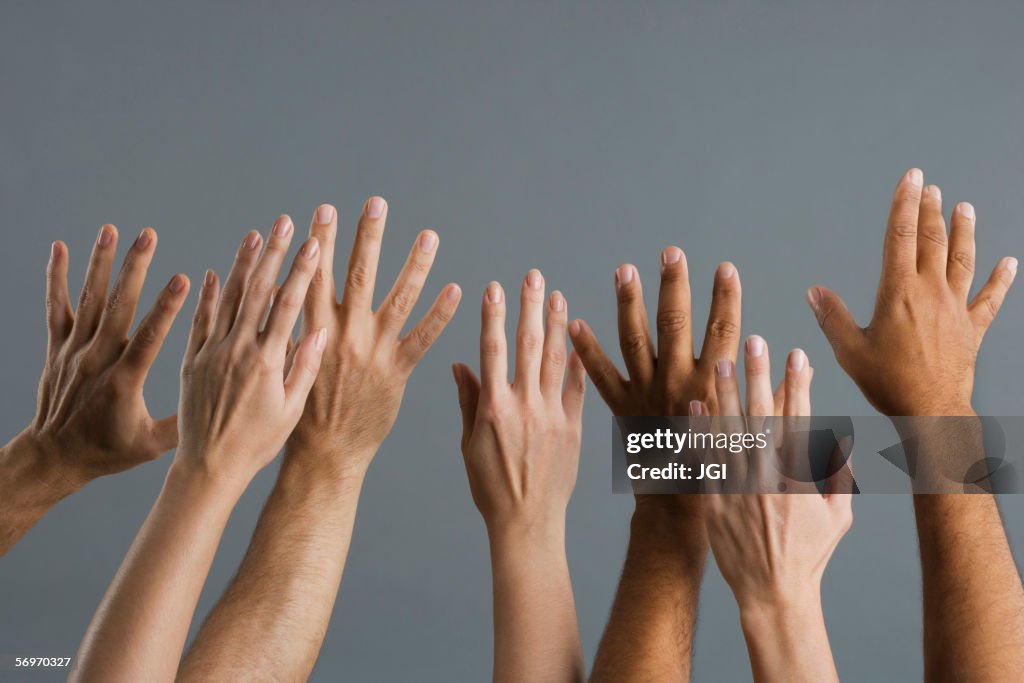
{"points": [[453, 293], [428, 241], [534, 279], [557, 302], [375, 207], [623, 275], [696, 408], [494, 293], [283, 226], [966, 210], [724, 368], [813, 298], [208, 280], [726, 271], [755, 346], [252, 241], [311, 248], [797, 360], [671, 255], [324, 214], [916, 177], [106, 235], [144, 239], [176, 284], [321, 339], [1011, 265], [933, 191], [575, 328]]}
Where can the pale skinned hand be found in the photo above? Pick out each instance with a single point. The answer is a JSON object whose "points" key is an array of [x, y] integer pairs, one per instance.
{"points": [[521, 441], [91, 417], [237, 404], [917, 355], [772, 548], [366, 366]]}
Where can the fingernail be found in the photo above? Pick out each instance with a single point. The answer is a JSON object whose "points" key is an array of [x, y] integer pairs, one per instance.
{"points": [[453, 293], [933, 191], [1011, 265], [208, 280], [726, 271], [143, 240], [324, 214], [53, 250], [311, 248], [623, 275], [375, 207], [428, 241], [176, 284], [574, 328], [813, 298], [456, 373], [671, 255], [106, 234], [252, 241], [557, 302], [283, 226], [797, 359], [966, 210], [534, 279], [916, 177], [321, 339], [755, 346], [494, 293], [696, 408], [724, 368]]}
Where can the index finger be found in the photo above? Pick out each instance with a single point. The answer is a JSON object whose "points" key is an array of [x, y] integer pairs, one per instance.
{"points": [[899, 254]]}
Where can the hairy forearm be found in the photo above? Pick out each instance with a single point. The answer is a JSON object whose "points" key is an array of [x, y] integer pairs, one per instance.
{"points": [[271, 621], [787, 641], [30, 484], [650, 631], [536, 635], [140, 627], [973, 598]]}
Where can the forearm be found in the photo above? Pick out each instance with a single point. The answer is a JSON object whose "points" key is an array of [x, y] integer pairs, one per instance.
{"points": [[271, 621], [140, 626], [973, 598], [650, 630], [30, 484], [536, 635], [787, 641]]}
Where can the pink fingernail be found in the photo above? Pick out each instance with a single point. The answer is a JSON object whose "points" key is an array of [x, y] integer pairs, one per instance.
{"points": [[1011, 265], [453, 293], [428, 241], [176, 284], [797, 360], [813, 298], [916, 177], [283, 226], [755, 346], [724, 368], [575, 328], [106, 235], [726, 271], [321, 339], [311, 248], [966, 210], [933, 191], [252, 241], [143, 240], [557, 302], [624, 275], [671, 255], [534, 279], [696, 408], [324, 214], [494, 293], [208, 280], [375, 207]]}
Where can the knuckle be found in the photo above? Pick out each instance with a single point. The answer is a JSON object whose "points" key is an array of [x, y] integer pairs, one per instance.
{"points": [[115, 300], [260, 285], [722, 329], [402, 301], [289, 300], [528, 340], [634, 342], [146, 336], [443, 315], [904, 228], [491, 348], [965, 260], [672, 321], [419, 266], [423, 338], [936, 237], [358, 276], [555, 359]]}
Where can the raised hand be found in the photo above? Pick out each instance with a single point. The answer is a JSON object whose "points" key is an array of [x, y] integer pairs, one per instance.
{"points": [[521, 447], [917, 355]]}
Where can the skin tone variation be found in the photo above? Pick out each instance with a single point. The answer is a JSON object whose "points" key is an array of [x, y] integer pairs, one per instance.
{"points": [[772, 548], [271, 621], [973, 597], [650, 631], [238, 404], [521, 446], [91, 417]]}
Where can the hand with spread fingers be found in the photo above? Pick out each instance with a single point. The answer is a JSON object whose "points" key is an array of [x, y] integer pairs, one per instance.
{"points": [[656, 605], [272, 619], [237, 407], [521, 447], [91, 417], [772, 548]]}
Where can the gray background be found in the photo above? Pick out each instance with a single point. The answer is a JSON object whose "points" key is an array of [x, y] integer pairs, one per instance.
{"points": [[569, 137]]}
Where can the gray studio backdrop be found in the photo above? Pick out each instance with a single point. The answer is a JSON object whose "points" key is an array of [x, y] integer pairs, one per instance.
{"points": [[569, 137]]}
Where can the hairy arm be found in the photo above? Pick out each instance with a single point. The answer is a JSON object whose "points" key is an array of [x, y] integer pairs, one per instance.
{"points": [[30, 484]]}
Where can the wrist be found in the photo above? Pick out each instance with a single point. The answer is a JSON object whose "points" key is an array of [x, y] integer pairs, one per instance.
{"points": [[343, 464], [544, 531], [35, 464], [305, 472], [192, 472], [778, 610]]}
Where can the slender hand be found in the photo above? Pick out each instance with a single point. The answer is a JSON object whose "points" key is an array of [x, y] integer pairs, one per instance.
{"points": [[916, 358], [772, 548], [521, 446], [650, 631], [271, 621], [236, 409], [91, 418]]}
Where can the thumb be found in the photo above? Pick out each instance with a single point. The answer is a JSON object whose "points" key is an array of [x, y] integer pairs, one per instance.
{"points": [[469, 395], [834, 318], [165, 434]]}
